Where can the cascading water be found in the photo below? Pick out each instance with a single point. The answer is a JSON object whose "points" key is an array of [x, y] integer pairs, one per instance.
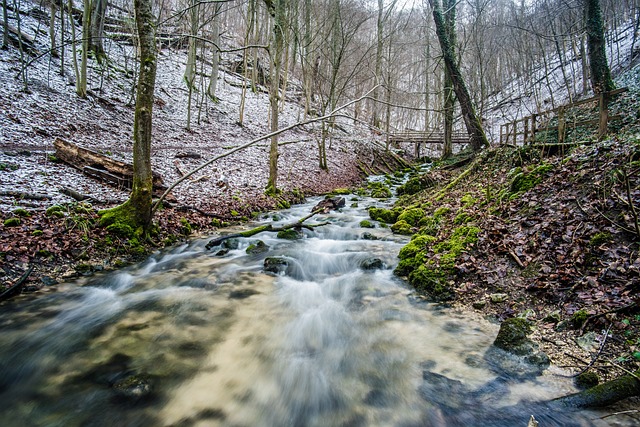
{"points": [[189, 338]]}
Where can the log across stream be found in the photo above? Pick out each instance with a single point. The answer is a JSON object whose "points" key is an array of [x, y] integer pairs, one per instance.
{"points": [[196, 337]]}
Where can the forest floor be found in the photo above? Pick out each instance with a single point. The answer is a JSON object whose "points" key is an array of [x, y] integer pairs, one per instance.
{"points": [[544, 232]]}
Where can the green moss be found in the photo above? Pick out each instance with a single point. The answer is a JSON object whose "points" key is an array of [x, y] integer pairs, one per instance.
{"points": [[354, 205], [415, 185], [599, 239], [385, 215], [378, 190], [289, 234], [257, 248], [37, 233], [578, 318], [432, 282], [12, 222], [43, 253], [234, 213], [402, 227], [187, 229], [366, 224], [523, 182], [468, 200], [21, 212], [462, 218], [411, 216], [283, 204], [55, 210], [121, 220], [513, 333], [441, 211], [339, 192], [587, 380]]}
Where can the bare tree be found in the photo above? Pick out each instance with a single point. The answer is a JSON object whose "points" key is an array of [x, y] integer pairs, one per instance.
{"points": [[472, 122], [136, 213]]}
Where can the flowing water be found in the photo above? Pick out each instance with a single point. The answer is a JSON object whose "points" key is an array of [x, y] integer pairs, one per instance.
{"points": [[195, 338]]}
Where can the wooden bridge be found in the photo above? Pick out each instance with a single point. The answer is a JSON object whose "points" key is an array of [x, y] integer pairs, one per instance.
{"points": [[425, 137]]}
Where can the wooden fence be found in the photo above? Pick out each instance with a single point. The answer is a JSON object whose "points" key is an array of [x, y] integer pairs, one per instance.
{"points": [[524, 131]]}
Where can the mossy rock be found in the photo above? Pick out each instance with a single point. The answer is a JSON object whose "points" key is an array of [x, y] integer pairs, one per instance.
{"points": [[462, 218], [412, 216], [586, 380], [402, 227], [415, 185], [378, 190], [339, 192], [276, 265], [12, 222], [37, 233], [256, 248], [513, 334], [289, 234], [432, 282], [389, 216], [187, 228], [578, 318], [366, 224]]}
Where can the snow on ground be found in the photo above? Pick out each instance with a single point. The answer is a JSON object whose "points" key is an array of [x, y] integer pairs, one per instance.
{"points": [[539, 91], [31, 119]]}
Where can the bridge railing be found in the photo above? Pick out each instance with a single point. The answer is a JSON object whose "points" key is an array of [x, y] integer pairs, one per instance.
{"points": [[526, 130]]}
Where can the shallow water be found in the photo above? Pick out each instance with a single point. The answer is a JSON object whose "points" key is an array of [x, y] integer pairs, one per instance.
{"points": [[189, 338]]}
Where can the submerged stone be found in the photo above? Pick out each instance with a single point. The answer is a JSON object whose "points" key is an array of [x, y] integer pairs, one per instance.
{"points": [[276, 265], [258, 247], [372, 264]]}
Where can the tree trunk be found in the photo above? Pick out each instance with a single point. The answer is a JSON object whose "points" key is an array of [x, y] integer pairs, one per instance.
{"points": [[277, 9], [600, 74], [74, 51], [136, 212], [5, 20], [96, 32], [215, 54], [604, 394], [52, 29], [190, 69], [449, 100], [379, 47], [81, 87], [471, 120]]}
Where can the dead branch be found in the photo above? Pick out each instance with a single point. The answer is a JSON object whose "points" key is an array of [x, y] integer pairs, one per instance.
{"points": [[16, 288]]}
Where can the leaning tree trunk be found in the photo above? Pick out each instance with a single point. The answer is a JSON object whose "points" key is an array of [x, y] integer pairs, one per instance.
{"points": [[136, 212], [449, 94], [471, 120], [600, 74], [81, 87]]}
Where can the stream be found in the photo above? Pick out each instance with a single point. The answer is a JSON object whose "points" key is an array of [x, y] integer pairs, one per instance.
{"points": [[192, 337]]}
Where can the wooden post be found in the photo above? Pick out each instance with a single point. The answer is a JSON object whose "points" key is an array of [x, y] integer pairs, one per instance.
{"points": [[526, 131], [561, 125], [534, 116], [515, 132], [603, 104]]}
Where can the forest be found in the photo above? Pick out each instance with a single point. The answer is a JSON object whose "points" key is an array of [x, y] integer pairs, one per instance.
{"points": [[475, 156]]}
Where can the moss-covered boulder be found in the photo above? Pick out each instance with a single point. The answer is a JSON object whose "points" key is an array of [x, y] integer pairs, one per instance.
{"points": [[276, 265], [513, 335], [12, 222], [412, 216], [388, 216], [258, 247], [366, 224], [289, 234], [415, 185], [586, 380], [402, 227], [432, 282]]}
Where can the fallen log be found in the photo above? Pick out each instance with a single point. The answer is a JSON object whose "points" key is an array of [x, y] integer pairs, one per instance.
{"points": [[16, 288], [603, 394], [23, 195], [100, 166]]}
